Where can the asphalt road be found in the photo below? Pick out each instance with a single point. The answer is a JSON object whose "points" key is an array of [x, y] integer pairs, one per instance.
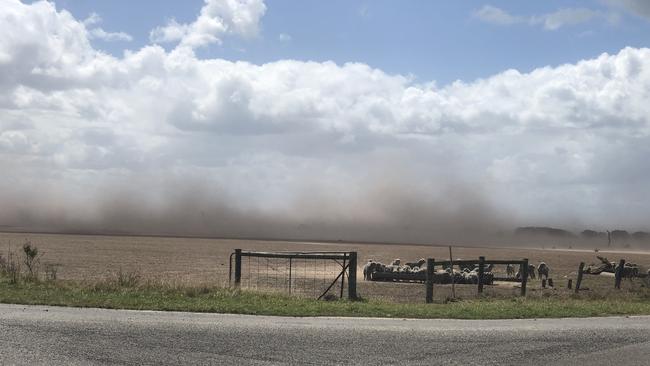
{"points": [[33, 335]]}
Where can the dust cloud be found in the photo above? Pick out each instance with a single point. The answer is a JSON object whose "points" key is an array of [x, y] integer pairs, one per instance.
{"points": [[386, 210], [402, 207]]}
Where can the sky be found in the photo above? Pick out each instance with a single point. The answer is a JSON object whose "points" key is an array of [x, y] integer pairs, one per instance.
{"points": [[408, 121]]}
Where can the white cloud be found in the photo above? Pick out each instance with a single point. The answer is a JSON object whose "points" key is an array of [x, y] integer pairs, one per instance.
{"points": [[565, 17], [99, 33], [571, 139], [551, 21], [216, 19], [494, 15], [283, 37], [92, 19]]}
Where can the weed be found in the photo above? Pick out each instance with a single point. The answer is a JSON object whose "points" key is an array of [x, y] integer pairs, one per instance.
{"points": [[12, 267], [128, 279], [31, 260], [51, 272]]}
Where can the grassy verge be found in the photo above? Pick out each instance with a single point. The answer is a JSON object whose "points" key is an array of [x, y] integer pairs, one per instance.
{"points": [[220, 300]]}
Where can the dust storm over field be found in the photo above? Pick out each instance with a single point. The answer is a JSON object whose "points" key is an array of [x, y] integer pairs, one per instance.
{"points": [[162, 138], [385, 211]]}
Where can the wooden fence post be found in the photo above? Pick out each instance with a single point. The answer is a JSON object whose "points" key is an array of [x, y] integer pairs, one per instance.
{"points": [[345, 258], [619, 274], [237, 267], [429, 282], [352, 277], [291, 268], [453, 279], [579, 280], [481, 271], [524, 276]]}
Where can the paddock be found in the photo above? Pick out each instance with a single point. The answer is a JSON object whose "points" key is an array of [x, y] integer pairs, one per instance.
{"points": [[199, 261]]}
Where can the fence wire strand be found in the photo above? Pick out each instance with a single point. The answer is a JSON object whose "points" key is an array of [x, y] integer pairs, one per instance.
{"points": [[307, 277]]}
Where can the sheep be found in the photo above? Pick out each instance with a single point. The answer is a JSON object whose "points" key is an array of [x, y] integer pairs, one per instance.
{"points": [[404, 269], [367, 269], [463, 267], [377, 267], [392, 268], [418, 269], [458, 277], [543, 269], [419, 263], [471, 277], [510, 270], [373, 267], [531, 271]]}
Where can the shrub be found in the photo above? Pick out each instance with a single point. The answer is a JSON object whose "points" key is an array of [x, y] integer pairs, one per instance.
{"points": [[31, 260]]}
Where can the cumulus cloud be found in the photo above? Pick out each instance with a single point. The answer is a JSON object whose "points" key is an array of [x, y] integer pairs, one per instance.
{"points": [[167, 142], [216, 19], [551, 21]]}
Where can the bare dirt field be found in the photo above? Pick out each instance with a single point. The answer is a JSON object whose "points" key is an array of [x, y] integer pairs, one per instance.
{"points": [[193, 261]]}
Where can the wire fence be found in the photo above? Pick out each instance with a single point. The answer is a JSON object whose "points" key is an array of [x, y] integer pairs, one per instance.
{"points": [[309, 274], [332, 275], [605, 276]]}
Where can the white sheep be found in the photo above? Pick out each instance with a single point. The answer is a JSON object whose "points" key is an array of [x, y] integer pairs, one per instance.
{"points": [[531, 271], [419, 263], [367, 269], [543, 269]]}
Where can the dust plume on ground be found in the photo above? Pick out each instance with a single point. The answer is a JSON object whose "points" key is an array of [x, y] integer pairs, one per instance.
{"points": [[386, 210]]}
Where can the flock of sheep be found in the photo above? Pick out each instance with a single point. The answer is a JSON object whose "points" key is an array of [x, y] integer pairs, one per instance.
{"points": [[542, 271], [395, 267], [467, 274]]}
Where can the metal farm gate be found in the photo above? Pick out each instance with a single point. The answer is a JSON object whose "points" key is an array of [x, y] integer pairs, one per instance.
{"points": [[310, 274]]}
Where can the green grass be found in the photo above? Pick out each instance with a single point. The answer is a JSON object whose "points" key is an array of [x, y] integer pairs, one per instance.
{"points": [[220, 300]]}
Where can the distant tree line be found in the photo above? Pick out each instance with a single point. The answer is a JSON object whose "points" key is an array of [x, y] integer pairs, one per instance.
{"points": [[612, 237]]}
